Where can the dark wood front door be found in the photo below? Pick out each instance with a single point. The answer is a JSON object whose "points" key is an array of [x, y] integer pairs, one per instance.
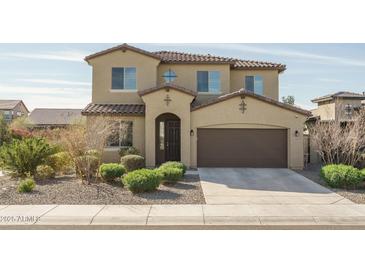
{"points": [[167, 138], [172, 133]]}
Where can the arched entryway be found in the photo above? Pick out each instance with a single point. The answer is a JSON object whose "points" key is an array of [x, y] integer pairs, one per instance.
{"points": [[168, 139]]}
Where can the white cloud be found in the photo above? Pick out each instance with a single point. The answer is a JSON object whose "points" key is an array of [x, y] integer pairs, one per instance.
{"points": [[73, 56], [55, 81], [55, 91]]}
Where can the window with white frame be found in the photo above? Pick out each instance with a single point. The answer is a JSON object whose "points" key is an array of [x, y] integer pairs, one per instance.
{"points": [[255, 84], [121, 134], [209, 81], [124, 78], [7, 115]]}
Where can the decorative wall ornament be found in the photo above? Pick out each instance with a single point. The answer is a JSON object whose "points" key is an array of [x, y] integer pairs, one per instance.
{"points": [[167, 99], [243, 105]]}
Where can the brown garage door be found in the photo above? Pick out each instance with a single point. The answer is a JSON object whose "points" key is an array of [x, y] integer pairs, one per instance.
{"points": [[242, 148]]}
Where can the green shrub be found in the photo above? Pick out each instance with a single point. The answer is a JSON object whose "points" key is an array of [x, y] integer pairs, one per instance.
{"points": [[175, 165], [363, 173], [22, 157], [45, 172], [132, 162], [128, 151], [26, 185], [341, 175], [143, 180], [61, 162], [171, 174], [111, 172]]}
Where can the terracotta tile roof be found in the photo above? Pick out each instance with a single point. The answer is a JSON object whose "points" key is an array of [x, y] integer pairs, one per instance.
{"points": [[196, 106], [167, 86], [49, 116], [174, 57], [188, 58], [340, 94], [114, 109], [121, 47]]}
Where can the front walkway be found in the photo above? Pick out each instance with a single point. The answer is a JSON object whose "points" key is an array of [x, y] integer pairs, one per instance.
{"points": [[182, 216], [263, 186]]}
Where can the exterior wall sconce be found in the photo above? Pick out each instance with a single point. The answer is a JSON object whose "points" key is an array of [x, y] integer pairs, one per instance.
{"points": [[296, 133], [191, 132]]}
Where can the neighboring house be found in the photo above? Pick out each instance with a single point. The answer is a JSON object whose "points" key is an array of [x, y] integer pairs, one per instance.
{"points": [[11, 109], [203, 110], [53, 117], [339, 106]]}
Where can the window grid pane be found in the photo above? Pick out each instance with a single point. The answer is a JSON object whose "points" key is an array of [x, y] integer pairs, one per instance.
{"points": [[130, 78], [202, 81], [214, 81], [259, 85], [249, 83], [117, 78]]}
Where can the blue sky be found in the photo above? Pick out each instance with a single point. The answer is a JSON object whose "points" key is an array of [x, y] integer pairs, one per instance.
{"points": [[55, 75]]}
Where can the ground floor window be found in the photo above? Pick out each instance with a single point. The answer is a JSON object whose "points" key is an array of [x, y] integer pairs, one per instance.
{"points": [[121, 134]]}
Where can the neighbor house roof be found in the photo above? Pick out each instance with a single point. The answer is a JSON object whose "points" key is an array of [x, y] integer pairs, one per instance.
{"points": [[11, 104], [340, 94], [196, 106], [167, 86], [174, 57], [53, 116], [114, 109]]}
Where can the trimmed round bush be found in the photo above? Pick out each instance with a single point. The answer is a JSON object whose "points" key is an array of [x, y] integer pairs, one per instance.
{"points": [[111, 172], [171, 174], [45, 172], [175, 165], [61, 162], [128, 151], [26, 185], [340, 176], [143, 180], [132, 162]]}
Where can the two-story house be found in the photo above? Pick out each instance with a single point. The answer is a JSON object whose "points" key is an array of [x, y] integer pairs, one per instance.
{"points": [[203, 110], [11, 109], [339, 106]]}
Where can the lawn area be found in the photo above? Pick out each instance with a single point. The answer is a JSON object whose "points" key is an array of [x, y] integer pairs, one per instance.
{"points": [[70, 190]]}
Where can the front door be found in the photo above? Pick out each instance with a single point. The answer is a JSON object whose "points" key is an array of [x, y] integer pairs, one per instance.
{"points": [[167, 138], [172, 133]]}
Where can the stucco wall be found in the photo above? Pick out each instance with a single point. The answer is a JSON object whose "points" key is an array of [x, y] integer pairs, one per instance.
{"points": [[155, 106], [326, 111], [257, 115], [146, 73], [340, 107], [270, 78], [112, 154]]}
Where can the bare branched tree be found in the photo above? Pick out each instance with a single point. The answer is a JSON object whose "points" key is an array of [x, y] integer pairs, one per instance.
{"points": [[86, 142], [340, 141]]}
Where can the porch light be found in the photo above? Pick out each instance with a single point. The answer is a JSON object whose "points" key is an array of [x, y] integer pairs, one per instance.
{"points": [[296, 133], [191, 132]]}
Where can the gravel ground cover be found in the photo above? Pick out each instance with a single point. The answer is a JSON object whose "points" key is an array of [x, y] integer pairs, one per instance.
{"points": [[70, 190], [355, 195]]}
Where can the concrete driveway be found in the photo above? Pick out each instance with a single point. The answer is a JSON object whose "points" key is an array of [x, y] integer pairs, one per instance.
{"points": [[263, 186]]}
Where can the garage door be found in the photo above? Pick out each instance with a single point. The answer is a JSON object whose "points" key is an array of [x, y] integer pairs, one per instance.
{"points": [[242, 148]]}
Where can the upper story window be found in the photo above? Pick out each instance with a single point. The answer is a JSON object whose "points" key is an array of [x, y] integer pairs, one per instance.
{"points": [[255, 84], [124, 78], [209, 81], [7, 115], [169, 76]]}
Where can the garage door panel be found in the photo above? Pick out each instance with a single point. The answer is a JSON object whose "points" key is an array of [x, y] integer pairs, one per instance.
{"points": [[242, 148]]}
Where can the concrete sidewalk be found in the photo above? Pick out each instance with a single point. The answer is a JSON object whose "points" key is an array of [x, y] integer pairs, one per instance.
{"points": [[346, 216]]}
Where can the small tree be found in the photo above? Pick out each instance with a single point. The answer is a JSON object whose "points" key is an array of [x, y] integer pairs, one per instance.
{"points": [[86, 143], [290, 100], [340, 142]]}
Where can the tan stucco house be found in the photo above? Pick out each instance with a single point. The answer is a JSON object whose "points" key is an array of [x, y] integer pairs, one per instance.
{"points": [[339, 106], [203, 110]]}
